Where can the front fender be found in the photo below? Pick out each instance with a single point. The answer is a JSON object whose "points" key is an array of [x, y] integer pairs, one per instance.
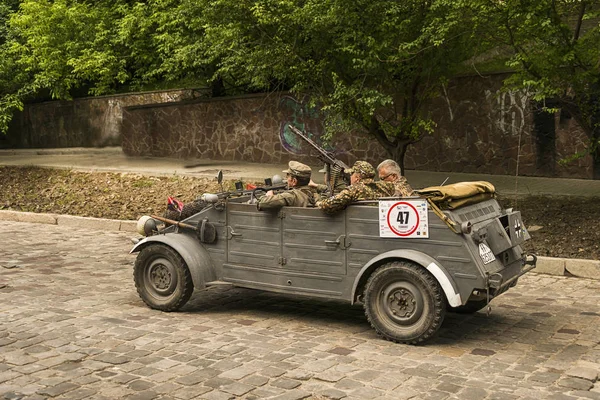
{"points": [[191, 250], [441, 275]]}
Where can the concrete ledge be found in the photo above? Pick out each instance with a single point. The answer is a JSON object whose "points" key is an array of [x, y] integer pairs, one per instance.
{"points": [[550, 266], [568, 267], [69, 220], [88, 223], [583, 268], [128, 226], [18, 216]]}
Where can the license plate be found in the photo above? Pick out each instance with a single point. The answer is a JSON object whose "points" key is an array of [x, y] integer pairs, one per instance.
{"points": [[486, 253]]}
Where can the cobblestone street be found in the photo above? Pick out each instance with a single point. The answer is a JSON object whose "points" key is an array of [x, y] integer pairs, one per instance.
{"points": [[73, 327]]}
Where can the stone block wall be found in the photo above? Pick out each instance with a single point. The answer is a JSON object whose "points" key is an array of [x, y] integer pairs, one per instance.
{"points": [[480, 128], [249, 128], [86, 122]]}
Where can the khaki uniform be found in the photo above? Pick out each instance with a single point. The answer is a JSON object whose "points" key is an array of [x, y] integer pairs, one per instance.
{"points": [[367, 189], [302, 196], [403, 189]]}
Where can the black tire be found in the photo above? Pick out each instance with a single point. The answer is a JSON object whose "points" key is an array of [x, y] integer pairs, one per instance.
{"points": [[404, 303], [162, 278], [471, 307]]}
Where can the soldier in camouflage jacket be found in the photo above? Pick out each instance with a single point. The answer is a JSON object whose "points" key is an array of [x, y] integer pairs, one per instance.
{"points": [[362, 187], [389, 171]]}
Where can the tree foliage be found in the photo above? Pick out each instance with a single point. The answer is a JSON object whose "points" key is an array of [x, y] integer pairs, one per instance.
{"points": [[368, 64], [554, 52]]}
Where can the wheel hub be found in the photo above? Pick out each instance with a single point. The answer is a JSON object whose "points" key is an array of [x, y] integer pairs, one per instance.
{"points": [[161, 276], [402, 303]]}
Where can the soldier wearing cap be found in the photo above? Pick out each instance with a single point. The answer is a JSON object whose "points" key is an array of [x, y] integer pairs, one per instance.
{"points": [[300, 195], [362, 187], [338, 181], [389, 171]]}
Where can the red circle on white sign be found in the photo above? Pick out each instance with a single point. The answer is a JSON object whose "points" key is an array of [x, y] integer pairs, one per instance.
{"points": [[408, 229]]}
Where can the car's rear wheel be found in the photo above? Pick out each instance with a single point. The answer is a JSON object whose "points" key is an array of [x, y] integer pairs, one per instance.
{"points": [[162, 278], [404, 302]]}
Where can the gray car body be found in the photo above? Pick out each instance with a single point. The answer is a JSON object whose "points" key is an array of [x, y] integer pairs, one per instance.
{"points": [[305, 251]]}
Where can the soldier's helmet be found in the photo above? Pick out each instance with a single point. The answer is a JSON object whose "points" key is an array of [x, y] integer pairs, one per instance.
{"points": [[365, 169], [296, 168]]}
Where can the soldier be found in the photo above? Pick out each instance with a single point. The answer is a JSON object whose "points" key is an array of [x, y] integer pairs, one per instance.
{"points": [[362, 187], [389, 171], [301, 195], [338, 181]]}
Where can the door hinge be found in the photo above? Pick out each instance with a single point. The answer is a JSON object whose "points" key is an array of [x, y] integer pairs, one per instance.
{"points": [[282, 261]]}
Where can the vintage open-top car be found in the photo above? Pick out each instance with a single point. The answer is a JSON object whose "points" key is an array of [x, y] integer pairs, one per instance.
{"points": [[407, 260]]}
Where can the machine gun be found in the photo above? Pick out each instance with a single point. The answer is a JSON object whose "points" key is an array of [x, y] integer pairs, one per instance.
{"points": [[275, 183], [327, 158]]}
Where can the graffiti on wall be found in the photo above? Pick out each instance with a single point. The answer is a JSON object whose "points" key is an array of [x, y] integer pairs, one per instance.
{"points": [[510, 110], [302, 117]]}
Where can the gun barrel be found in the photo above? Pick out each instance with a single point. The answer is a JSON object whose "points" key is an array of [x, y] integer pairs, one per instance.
{"points": [[323, 154]]}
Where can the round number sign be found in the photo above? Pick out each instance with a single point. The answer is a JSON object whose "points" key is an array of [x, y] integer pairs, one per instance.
{"points": [[403, 218]]}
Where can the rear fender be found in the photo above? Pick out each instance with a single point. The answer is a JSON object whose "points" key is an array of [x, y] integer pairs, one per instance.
{"points": [[441, 275], [193, 253]]}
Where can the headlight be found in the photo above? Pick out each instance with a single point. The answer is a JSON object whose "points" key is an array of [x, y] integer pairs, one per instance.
{"points": [[146, 225]]}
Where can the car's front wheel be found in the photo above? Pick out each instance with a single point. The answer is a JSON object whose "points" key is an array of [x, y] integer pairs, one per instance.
{"points": [[404, 302], [162, 278]]}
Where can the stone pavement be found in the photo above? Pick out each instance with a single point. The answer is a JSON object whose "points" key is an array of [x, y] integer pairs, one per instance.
{"points": [[73, 327], [112, 159]]}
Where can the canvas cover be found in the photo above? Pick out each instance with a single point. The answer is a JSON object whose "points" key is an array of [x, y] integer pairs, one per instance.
{"points": [[459, 194]]}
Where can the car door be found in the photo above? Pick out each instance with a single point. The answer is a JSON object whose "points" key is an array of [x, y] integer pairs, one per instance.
{"points": [[254, 237], [313, 250]]}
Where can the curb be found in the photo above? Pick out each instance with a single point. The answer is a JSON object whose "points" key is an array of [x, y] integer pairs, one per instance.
{"points": [[63, 151], [69, 221], [572, 267]]}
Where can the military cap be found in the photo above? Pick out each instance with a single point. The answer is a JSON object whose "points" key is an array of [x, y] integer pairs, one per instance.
{"points": [[298, 169], [365, 169]]}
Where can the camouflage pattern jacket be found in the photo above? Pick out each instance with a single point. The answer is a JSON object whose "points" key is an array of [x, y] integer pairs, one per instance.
{"points": [[302, 196], [367, 189], [403, 189]]}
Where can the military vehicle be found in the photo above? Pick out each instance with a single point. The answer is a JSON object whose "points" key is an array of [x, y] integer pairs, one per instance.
{"points": [[407, 260]]}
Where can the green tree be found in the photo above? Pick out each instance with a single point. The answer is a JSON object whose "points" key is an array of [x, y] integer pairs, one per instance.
{"points": [[555, 53], [367, 64], [56, 47], [59, 49]]}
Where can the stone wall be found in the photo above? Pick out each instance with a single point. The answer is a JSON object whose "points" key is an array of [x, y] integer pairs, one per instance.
{"points": [[250, 128], [480, 128], [86, 122]]}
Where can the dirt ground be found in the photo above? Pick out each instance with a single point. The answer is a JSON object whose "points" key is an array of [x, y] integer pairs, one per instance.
{"points": [[560, 226]]}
